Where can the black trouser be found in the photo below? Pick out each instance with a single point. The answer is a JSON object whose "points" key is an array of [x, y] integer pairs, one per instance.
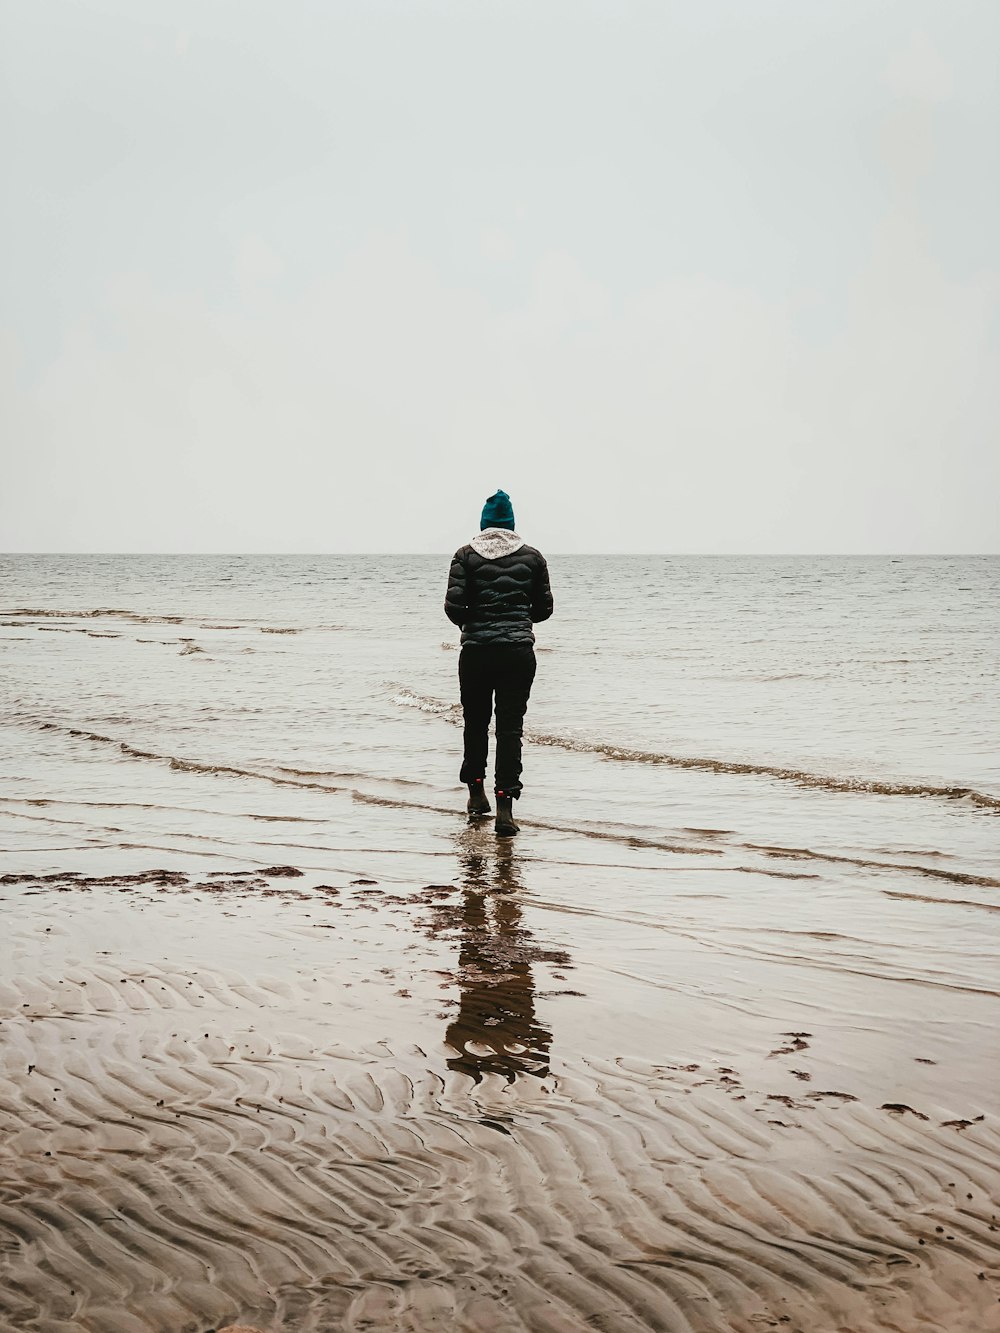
{"points": [[505, 670]]}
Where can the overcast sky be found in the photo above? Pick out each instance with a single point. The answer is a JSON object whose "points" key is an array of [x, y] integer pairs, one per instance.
{"points": [[319, 275]]}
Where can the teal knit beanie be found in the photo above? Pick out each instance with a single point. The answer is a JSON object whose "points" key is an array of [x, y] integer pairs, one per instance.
{"points": [[498, 512]]}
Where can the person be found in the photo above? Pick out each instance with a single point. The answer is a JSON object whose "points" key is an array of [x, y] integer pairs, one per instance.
{"points": [[498, 587]]}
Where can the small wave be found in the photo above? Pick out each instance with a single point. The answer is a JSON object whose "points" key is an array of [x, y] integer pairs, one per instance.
{"points": [[340, 776], [49, 613], [932, 872], [794, 675], [801, 777], [425, 704], [945, 902], [181, 765], [142, 618]]}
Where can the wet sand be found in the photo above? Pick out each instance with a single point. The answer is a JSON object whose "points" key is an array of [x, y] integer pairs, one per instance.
{"points": [[315, 1099]]}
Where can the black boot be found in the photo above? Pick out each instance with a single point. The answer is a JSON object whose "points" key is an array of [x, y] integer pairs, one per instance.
{"points": [[505, 826], [478, 804]]}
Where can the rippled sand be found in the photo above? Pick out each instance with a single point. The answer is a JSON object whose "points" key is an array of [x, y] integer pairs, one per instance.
{"points": [[310, 1101]]}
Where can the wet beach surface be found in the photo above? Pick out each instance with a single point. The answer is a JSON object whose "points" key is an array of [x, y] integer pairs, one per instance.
{"points": [[286, 1042]]}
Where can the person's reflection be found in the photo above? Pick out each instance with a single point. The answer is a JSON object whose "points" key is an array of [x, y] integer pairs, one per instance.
{"points": [[495, 1030]]}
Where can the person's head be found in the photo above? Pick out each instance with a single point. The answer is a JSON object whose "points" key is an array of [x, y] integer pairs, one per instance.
{"points": [[498, 512]]}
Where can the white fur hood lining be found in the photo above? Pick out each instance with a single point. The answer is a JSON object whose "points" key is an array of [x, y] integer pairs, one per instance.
{"points": [[492, 543]]}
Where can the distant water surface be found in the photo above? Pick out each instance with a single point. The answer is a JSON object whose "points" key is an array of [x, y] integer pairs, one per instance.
{"points": [[813, 701]]}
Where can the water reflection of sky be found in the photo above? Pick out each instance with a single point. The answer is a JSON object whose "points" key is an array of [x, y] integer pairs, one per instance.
{"points": [[496, 1030]]}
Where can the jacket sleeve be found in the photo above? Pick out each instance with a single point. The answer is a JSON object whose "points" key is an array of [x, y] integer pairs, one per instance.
{"points": [[541, 592], [456, 603]]}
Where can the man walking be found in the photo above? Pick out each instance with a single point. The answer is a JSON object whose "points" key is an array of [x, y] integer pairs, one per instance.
{"points": [[497, 588]]}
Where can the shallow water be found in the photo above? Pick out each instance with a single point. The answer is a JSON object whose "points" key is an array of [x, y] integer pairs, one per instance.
{"points": [[733, 985], [807, 746], [842, 704]]}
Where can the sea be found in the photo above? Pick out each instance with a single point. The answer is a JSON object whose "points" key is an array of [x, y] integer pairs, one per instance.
{"points": [[828, 727], [826, 706]]}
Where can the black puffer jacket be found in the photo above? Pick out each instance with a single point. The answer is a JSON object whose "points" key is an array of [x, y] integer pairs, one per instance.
{"points": [[497, 588]]}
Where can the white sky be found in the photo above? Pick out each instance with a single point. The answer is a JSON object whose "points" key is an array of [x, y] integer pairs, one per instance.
{"points": [[319, 275]]}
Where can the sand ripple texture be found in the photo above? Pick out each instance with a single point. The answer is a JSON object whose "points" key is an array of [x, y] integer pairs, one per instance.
{"points": [[180, 1149]]}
